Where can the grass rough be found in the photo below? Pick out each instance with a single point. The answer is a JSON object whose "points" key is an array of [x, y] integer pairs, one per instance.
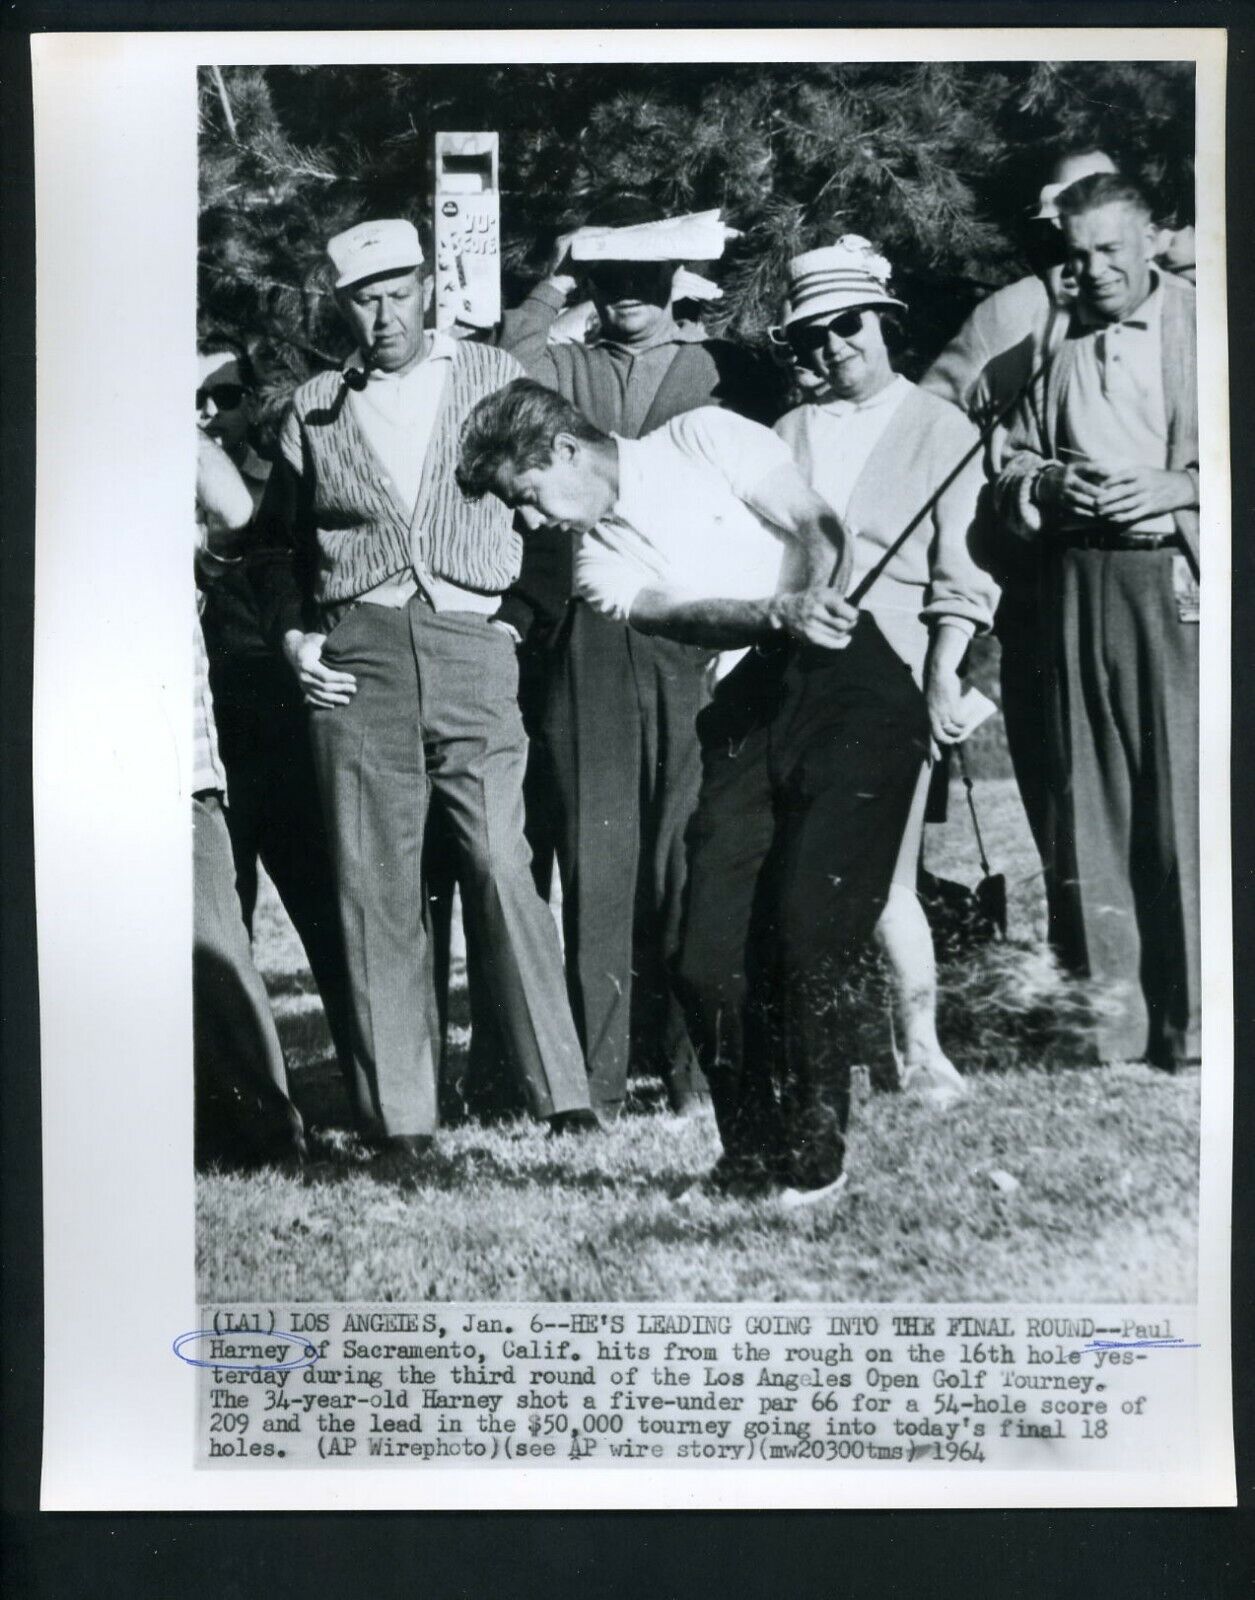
{"points": [[1103, 1206]]}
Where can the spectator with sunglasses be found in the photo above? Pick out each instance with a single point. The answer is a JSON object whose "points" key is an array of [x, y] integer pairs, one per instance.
{"points": [[620, 804], [273, 816], [877, 449]]}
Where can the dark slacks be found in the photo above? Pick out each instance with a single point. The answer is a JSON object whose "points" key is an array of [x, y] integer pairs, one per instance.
{"points": [[435, 720], [1124, 754], [1025, 652], [620, 743], [243, 1113], [1025, 675], [810, 761], [275, 818]]}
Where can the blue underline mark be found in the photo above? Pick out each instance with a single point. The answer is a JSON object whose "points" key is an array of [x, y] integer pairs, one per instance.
{"points": [[1141, 1344], [306, 1355]]}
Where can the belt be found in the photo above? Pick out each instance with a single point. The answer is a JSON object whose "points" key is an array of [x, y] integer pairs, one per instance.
{"points": [[1114, 539], [338, 610]]}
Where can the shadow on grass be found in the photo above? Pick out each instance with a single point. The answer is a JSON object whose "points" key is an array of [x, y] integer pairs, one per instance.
{"points": [[321, 1096], [476, 1166]]}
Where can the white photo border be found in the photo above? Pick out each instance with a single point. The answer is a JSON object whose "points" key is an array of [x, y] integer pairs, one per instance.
{"points": [[116, 192]]}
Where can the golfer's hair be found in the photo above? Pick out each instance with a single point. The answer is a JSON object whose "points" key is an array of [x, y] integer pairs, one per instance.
{"points": [[515, 427], [1101, 189]]}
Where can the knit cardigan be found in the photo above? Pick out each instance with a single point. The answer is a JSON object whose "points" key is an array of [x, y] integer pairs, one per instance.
{"points": [[335, 508], [933, 578]]}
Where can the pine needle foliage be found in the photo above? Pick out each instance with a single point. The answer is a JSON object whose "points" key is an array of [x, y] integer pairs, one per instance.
{"points": [[936, 162]]}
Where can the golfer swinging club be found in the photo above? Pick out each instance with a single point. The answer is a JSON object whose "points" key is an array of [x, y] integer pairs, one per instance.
{"points": [[705, 531]]}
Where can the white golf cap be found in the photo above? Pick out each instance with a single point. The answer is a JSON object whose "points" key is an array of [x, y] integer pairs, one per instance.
{"points": [[837, 277], [1075, 168], [388, 245]]}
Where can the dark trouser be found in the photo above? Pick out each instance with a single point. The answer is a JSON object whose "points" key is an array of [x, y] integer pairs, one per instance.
{"points": [[810, 761], [540, 787], [275, 817], [435, 717], [1125, 778], [620, 741], [243, 1113], [1024, 679]]}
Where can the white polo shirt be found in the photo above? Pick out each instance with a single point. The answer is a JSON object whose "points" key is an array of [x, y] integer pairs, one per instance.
{"points": [[1113, 407], [681, 521]]}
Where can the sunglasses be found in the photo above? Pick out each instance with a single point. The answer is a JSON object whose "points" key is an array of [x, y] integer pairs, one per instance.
{"points": [[225, 396], [814, 336]]}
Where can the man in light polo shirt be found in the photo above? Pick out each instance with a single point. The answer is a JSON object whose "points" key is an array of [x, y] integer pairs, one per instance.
{"points": [[385, 602], [982, 370], [1101, 476], [705, 531]]}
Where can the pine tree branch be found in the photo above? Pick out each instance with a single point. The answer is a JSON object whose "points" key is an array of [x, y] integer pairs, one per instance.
{"points": [[226, 103]]}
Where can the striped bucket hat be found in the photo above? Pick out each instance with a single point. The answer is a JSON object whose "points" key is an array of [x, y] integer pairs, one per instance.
{"points": [[835, 278]]}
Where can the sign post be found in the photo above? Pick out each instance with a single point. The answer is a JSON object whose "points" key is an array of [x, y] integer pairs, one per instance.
{"points": [[467, 205]]}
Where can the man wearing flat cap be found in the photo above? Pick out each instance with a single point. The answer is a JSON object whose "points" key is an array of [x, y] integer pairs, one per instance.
{"points": [[616, 722], [386, 605]]}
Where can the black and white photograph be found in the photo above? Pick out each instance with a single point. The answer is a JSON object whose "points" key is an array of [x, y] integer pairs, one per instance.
{"points": [[660, 896], [699, 582]]}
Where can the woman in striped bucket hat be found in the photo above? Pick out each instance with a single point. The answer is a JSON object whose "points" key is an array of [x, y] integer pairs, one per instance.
{"points": [[878, 448]]}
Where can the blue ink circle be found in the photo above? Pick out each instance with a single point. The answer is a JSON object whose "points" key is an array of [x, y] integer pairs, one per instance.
{"points": [[309, 1352]]}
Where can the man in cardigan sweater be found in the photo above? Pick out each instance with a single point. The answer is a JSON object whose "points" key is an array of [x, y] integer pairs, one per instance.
{"points": [[414, 688], [1101, 467], [615, 727]]}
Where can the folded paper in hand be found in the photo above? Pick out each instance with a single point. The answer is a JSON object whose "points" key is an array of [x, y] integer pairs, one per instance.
{"points": [[698, 236], [976, 708], [686, 285]]}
